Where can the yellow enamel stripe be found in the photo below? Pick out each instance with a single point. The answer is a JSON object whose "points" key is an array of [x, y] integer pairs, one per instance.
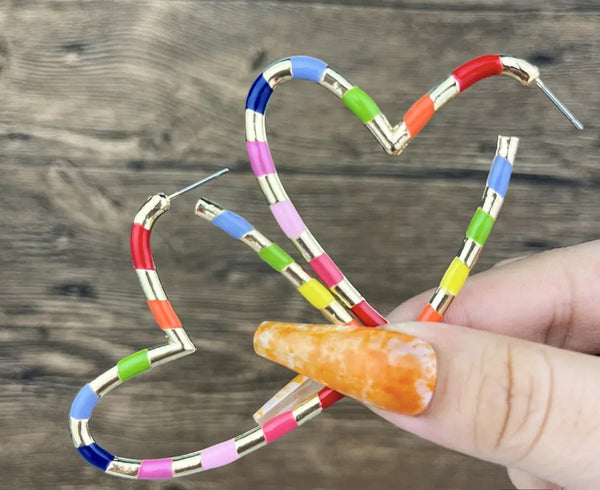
{"points": [[455, 276], [316, 294]]}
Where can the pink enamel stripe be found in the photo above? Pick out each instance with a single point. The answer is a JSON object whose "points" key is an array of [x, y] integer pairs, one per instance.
{"points": [[288, 218], [261, 160], [219, 455], [326, 269], [156, 469], [279, 426]]}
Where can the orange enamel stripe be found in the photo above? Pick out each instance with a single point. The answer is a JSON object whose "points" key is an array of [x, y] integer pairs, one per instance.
{"points": [[419, 115], [429, 315], [164, 314], [384, 368]]}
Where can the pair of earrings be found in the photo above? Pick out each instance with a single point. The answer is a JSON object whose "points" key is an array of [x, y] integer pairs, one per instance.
{"points": [[336, 297]]}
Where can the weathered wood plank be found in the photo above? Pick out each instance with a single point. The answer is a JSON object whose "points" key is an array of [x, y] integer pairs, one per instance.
{"points": [[166, 83], [103, 103]]}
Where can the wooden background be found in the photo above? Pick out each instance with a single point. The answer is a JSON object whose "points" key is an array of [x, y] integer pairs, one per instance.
{"points": [[103, 103]]}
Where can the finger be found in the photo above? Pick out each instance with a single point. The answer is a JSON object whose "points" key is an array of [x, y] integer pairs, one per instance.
{"points": [[517, 403], [550, 298]]}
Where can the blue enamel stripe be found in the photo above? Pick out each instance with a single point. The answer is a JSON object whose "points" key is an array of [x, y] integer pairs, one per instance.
{"points": [[259, 95], [84, 403], [232, 224], [307, 68], [96, 456], [499, 175]]}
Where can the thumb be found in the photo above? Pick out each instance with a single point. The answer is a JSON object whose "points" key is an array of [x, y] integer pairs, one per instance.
{"points": [[521, 404], [517, 403]]}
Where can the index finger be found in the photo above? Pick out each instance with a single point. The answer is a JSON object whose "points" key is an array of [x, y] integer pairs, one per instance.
{"points": [[552, 298]]}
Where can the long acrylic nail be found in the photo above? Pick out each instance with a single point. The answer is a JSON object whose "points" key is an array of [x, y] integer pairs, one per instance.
{"points": [[383, 368]]}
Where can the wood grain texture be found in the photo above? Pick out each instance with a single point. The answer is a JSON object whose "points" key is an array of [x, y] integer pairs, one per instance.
{"points": [[103, 103]]}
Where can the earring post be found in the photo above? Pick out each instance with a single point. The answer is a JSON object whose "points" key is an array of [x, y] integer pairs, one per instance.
{"points": [[559, 105], [199, 183]]}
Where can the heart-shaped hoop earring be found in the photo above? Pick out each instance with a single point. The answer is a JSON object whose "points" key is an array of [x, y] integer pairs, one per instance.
{"points": [[180, 345], [393, 139], [303, 391]]}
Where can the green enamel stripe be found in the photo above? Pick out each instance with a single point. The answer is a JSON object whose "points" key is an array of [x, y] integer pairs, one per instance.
{"points": [[276, 257], [361, 104], [480, 226], [133, 365]]}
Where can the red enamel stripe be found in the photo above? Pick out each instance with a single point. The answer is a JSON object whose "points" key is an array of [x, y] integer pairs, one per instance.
{"points": [[328, 397], [429, 315], [326, 269], [141, 254], [367, 314], [279, 426], [477, 69]]}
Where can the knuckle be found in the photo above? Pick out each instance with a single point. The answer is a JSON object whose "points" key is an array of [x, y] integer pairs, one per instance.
{"points": [[514, 400]]}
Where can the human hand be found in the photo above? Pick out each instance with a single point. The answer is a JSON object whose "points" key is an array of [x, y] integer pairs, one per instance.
{"points": [[516, 384]]}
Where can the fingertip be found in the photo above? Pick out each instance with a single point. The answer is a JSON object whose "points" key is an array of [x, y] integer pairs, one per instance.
{"points": [[410, 309]]}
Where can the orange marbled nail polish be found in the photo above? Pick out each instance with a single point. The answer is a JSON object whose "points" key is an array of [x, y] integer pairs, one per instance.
{"points": [[384, 368]]}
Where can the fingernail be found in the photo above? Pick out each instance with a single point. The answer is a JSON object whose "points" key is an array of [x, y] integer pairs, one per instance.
{"points": [[510, 261], [384, 368]]}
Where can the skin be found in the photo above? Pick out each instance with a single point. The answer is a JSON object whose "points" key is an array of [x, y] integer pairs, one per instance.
{"points": [[518, 372]]}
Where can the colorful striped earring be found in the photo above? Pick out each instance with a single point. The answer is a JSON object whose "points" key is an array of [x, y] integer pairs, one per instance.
{"points": [[305, 392], [393, 139]]}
